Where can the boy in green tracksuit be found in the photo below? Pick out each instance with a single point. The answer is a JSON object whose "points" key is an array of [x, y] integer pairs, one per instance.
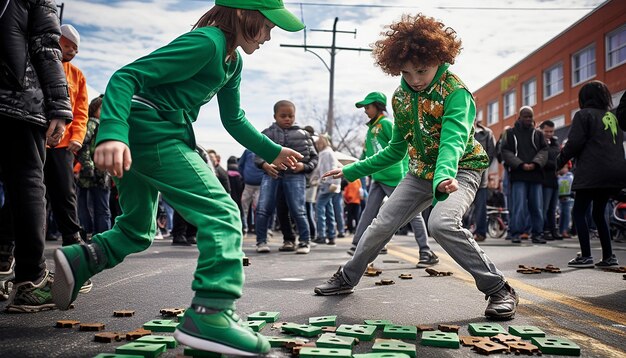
{"points": [[434, 115], [385, 181], [148, 109]]}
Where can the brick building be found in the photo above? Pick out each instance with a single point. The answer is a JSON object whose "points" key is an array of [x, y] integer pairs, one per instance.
{"points": [[548, 79]]}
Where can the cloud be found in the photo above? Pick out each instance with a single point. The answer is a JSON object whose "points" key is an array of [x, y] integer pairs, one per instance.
{"points": [[115, 33]]}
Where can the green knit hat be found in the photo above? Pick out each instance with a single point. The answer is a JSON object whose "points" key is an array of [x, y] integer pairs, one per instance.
{"points": [[273, 10], [371, 98]]}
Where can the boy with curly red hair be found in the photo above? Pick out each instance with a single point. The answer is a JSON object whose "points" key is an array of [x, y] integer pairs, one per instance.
{"points": [[434, 114]]}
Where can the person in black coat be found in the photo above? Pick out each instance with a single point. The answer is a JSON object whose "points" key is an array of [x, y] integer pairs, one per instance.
{"points": [[596, 144], [550, 183], [34, 109]]}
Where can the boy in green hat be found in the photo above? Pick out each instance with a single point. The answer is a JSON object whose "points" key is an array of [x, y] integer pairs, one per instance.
{"points": [[434, 115], [385, 181], [148, 109]]}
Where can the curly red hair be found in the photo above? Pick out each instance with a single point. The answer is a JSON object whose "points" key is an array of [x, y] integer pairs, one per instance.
{"points": [[416, 39]]}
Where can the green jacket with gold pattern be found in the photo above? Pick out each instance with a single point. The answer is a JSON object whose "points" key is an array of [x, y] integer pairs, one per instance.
{"points": [[436, 126]]}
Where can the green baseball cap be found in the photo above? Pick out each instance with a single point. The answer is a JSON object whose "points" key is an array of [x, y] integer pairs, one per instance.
{"points": [[371, 98], [273, 10]]}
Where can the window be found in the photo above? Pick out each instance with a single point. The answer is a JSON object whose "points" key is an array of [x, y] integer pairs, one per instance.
{"points": [[529, 93], [492, 113], [616, 48], [553, 81], [558, 121], [509, 104], [584, 65], [480, 116]]}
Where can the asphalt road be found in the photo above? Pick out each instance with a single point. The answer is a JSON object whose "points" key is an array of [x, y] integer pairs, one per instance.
{"points": [[587, 306]]}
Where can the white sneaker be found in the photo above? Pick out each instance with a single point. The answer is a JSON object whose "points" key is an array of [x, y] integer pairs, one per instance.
{"points": [[262, 248], [303, 248]]}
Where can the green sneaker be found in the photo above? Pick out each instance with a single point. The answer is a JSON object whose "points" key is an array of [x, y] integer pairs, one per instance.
{"points": [[219, 331], [29, 297], [74, 264]]}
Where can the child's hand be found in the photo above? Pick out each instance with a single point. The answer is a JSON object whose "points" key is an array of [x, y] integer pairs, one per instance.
{"points": [[448, 186], [287, 158], [271, 170], [299, 167], [335, 173], [113, 157]]}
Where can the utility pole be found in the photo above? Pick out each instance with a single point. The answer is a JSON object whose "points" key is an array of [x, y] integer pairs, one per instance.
{"points": [[333, 49], [61, 7]]}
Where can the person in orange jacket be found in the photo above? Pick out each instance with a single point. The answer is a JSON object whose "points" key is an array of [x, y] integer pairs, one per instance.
{"points": [[352, 197], [58, 172]]}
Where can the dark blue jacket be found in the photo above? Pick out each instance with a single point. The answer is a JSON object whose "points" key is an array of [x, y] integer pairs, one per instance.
{"points": [[251, 174]]}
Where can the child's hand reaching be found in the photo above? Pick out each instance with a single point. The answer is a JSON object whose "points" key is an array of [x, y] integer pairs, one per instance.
{"points": [[271, 170], [448, 186], [287, 158], [335, 173], [114, 157]]}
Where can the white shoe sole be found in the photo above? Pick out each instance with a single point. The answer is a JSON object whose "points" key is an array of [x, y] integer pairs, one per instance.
{"points": [[63, 283], [204, 345]]}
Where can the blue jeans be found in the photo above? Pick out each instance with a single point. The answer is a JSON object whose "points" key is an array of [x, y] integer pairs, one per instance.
{"points": [[293, 186], [550, 200], [325, 214], [338, 208], [480, 211], [565, 207], [526, 196], [93, 209]]}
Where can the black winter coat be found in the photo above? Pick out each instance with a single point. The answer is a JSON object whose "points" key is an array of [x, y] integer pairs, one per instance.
{"points": [[524, 145], [597, 145], [550, 169], [33, 86], [295, 138]]}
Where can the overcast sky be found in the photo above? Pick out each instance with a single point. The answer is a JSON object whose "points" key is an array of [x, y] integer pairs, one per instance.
{"points": [[496, 34]]}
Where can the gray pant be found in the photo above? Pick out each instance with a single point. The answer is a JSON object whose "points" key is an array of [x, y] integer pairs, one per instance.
{"points": [[377, 194], [411, 197]]}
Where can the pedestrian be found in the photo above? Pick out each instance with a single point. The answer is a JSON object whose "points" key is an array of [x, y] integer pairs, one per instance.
{"points": [[621, 112], [485, 137], [596, 144], [34, 109], [525, 152], [148, 109], [550, 185], [252, 176], [235, 182], [566, 200], [384, 182], [94, 185], [328, 188], [292, 181], [352, 197], [434, 122], [58, 169]]}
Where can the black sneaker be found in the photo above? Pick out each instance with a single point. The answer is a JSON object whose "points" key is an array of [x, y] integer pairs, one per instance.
{"points": [[336, 285], [180, 240], [538, 239], [7, 261], [427, 258], [581, 262], [610, 262], [29, 297], [331, 241], [191, 240], [502, 304], [74, 239], [319, 240], [351, 250], [341, 235]]}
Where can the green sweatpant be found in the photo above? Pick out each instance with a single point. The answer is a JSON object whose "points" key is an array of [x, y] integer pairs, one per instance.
{"points": [[173, 168]]}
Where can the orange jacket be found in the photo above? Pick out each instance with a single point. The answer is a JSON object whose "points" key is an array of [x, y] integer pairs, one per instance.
{"points": [[76, 129], [352, 192]]}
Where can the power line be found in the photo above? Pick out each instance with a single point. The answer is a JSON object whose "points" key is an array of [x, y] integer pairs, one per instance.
{"points": [[439, 7]]}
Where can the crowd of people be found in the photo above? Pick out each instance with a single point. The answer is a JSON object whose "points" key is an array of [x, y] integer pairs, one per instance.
{"points": [[73, 176]]}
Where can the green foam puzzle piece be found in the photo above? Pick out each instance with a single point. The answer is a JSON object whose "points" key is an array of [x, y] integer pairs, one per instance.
{"points": [[329, 340], [196, 353], [526, 332], [169, 341], [400, 332], [379, 323], [323, 321], [325, 352], [485, 329], [381, 355], [146, 350], [161, 325], [282, 341], [360, 331], [254, 325], [303, 330], [395, 347], [440, 339], [113, 355], [556, 345], [264, 316]]}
